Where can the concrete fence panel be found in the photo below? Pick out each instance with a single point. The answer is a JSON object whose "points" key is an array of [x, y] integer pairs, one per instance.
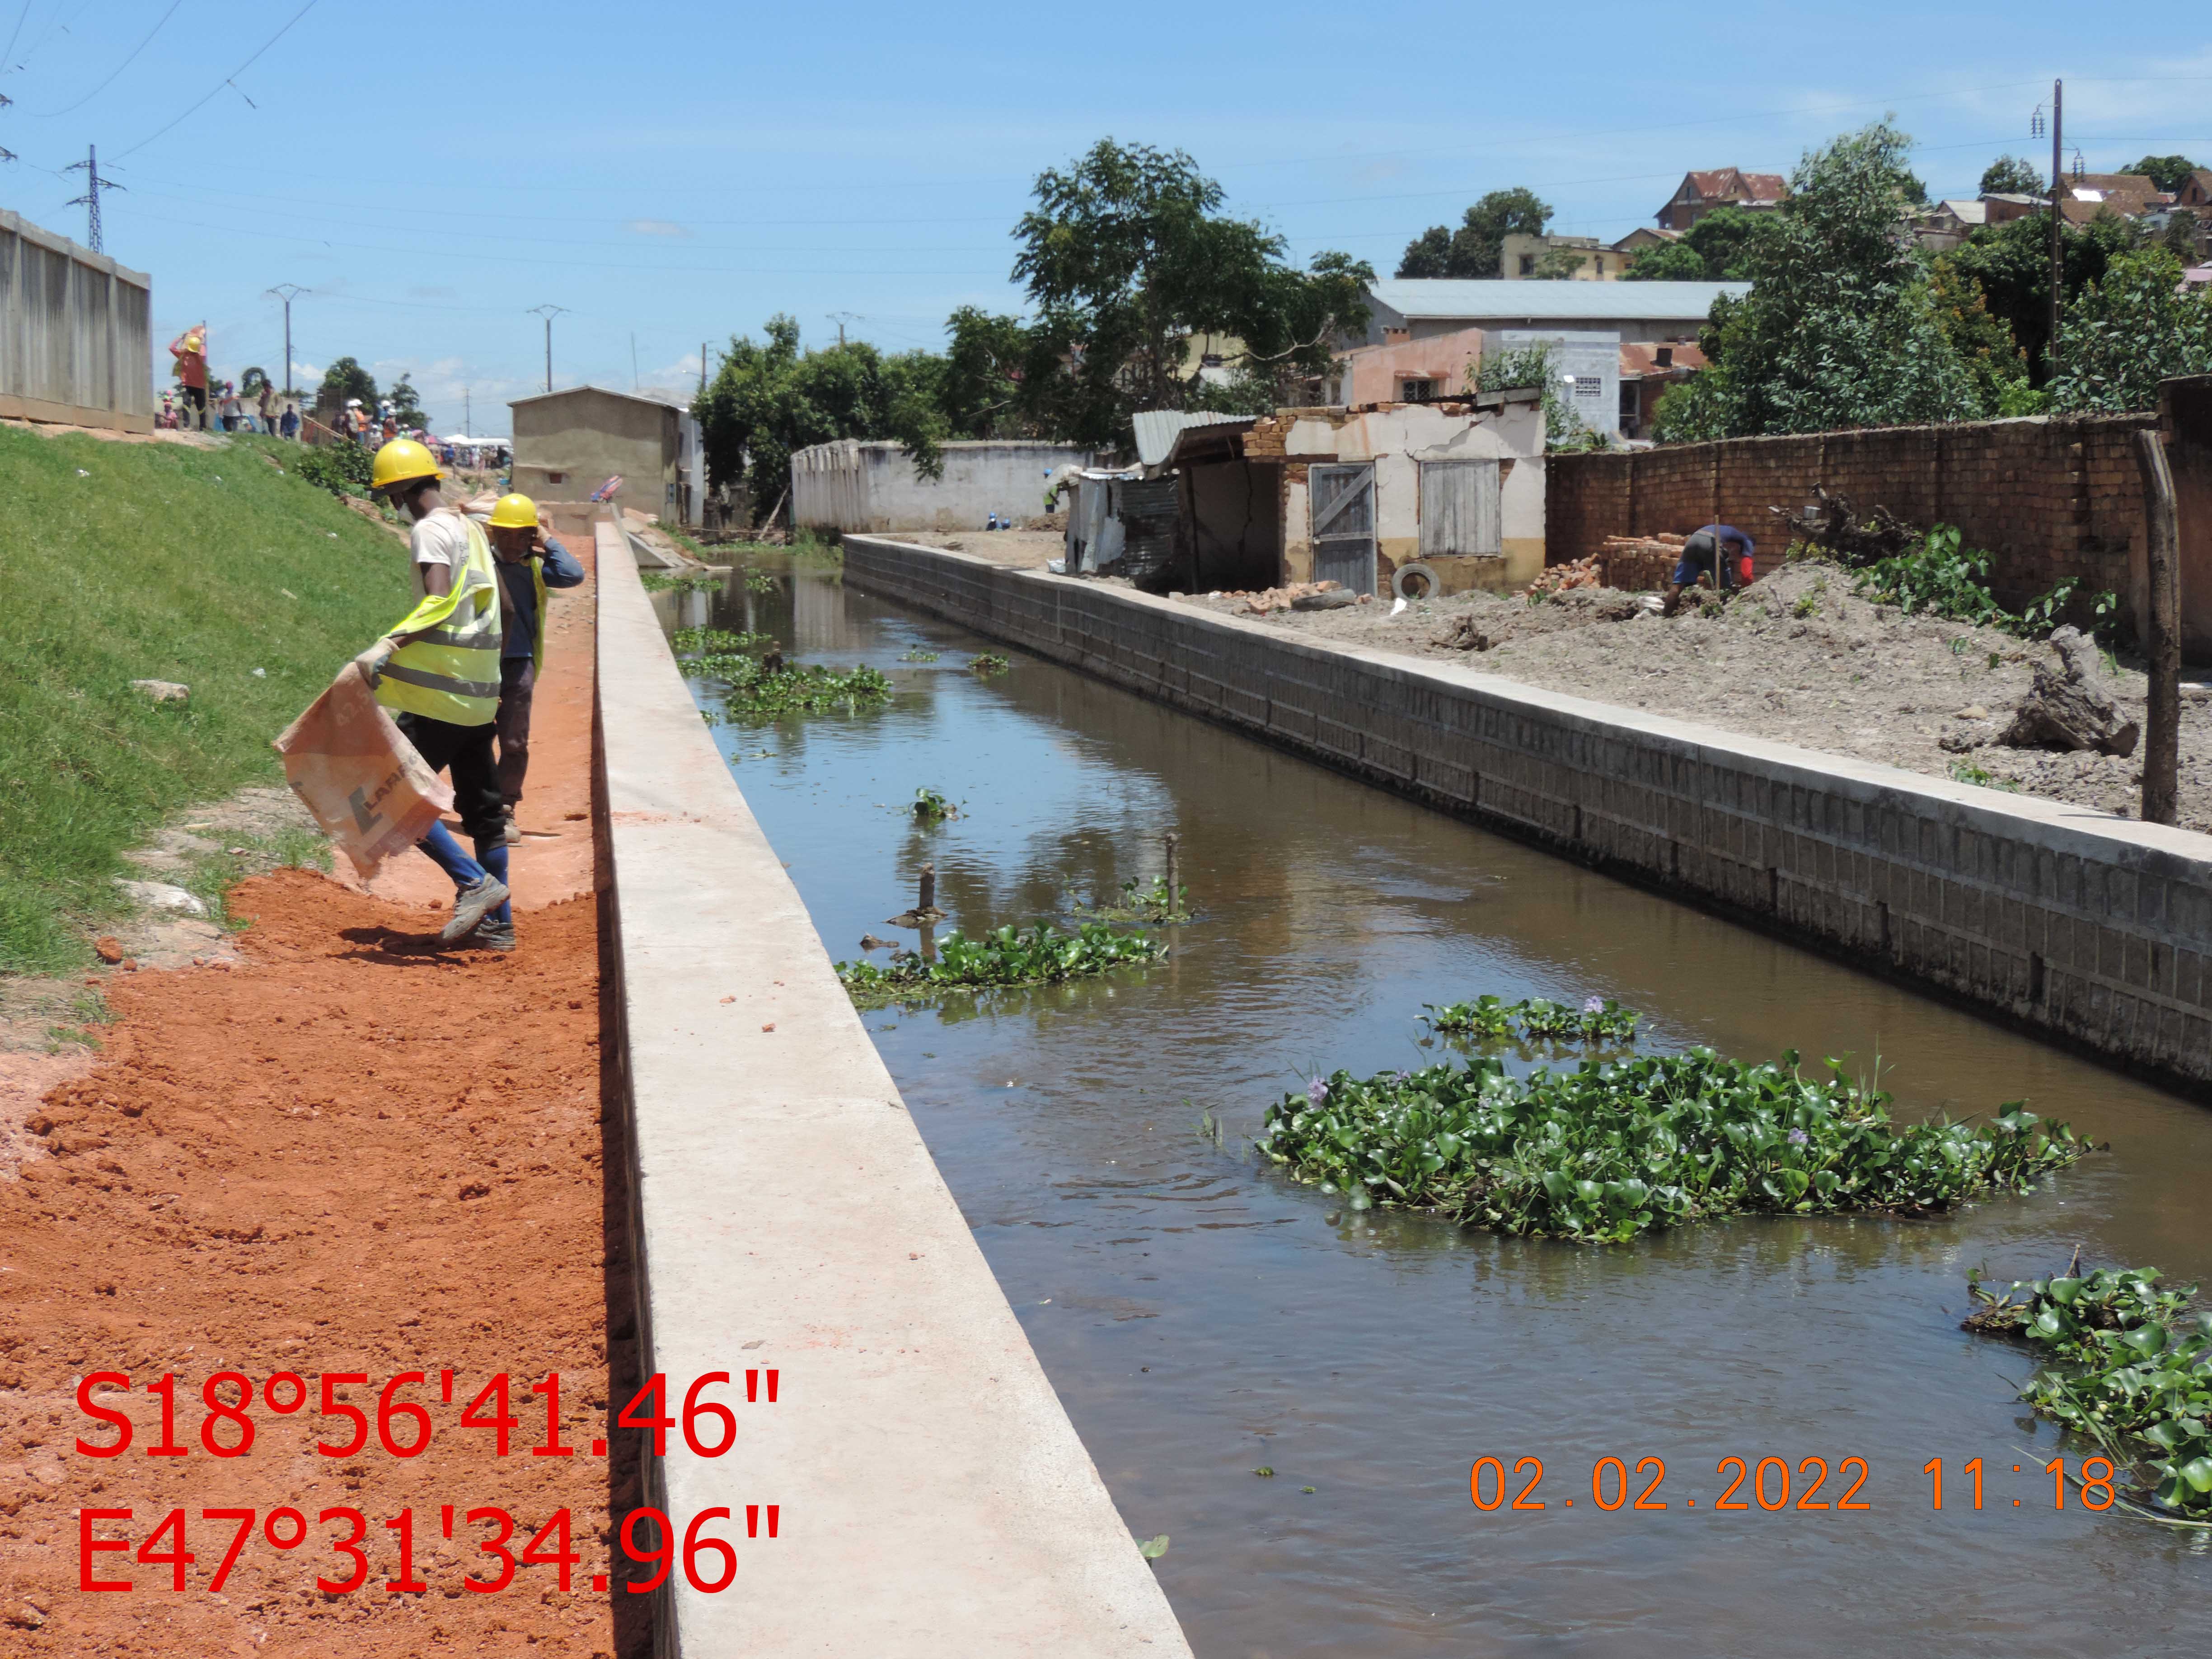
{"points": [[75, 333]]}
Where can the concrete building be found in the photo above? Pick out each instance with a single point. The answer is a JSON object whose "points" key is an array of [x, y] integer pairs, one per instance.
{"points": [[1699, 193], [1646, 373], [76, 333], [855, 485], [568, 443], [1521, 258], [1357, 495], [1406, 371], [1416, 308]]}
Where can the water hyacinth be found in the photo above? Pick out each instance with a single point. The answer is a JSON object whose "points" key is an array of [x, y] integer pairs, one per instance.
{"points": [[758, 691], [2132, 1371], [1612, 1149], [1041, 954], [1490, 1020], [716, 642]]}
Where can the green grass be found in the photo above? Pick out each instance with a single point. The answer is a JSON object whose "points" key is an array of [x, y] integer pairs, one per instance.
{"points": [[159, 562]]}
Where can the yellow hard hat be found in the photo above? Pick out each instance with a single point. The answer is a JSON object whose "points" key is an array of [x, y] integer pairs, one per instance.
{"points": [[514, 512], [400, 460]]}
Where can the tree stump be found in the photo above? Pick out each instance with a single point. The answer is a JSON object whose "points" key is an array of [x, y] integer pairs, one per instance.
{"points": [[2071, 706]]}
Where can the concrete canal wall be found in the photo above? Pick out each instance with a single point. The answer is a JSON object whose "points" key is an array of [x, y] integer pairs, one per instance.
{"points": [[932, 1497], [2086, 928]]}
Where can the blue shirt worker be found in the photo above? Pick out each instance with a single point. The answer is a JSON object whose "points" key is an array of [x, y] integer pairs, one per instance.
{"points": [[530, 563], [1702, 556]]}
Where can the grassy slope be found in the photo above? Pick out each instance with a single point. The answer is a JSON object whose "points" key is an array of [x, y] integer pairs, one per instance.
{"points": [[123, 561]]}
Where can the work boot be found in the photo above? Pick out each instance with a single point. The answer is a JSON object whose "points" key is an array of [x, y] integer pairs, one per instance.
{"points": [[509, 832], [493, 936], [471, 905]]}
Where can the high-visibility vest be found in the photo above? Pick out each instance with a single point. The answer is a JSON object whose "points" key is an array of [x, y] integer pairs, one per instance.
{"points": [[452, 672]]}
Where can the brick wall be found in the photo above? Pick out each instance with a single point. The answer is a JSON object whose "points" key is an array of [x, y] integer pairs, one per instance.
{"points": [[2047, 498]]}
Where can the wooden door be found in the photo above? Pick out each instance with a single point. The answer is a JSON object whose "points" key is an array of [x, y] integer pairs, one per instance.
{"points": [[1460, 508], [1342, 498]]}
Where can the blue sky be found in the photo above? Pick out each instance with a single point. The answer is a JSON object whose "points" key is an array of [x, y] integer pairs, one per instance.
{"points": [[676, 173]]}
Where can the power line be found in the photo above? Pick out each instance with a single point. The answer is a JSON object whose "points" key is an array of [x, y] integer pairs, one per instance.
{"points": [[16, 33], [90, 200], [225, 81], [48, 114]]}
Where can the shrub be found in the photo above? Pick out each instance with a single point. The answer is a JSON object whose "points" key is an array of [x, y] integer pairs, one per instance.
{"points": [[1040, 955]]}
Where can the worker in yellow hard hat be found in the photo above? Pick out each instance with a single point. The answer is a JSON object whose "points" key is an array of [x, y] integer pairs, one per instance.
{"points": [[530, 562], [439, 670], [190, 350]]}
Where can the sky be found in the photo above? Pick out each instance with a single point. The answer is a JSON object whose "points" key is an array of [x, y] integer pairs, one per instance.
{"points": [[673, 175]]}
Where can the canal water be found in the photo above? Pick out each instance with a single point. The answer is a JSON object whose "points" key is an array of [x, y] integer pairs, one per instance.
{"points": [[1203, 1317]]}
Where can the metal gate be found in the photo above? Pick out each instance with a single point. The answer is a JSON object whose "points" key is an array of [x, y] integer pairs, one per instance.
{"points": [[1343, 502]]}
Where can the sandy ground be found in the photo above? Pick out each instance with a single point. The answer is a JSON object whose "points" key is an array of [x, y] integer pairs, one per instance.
{"points": [[1018, 550], [1796, 658], [330, 1147]]}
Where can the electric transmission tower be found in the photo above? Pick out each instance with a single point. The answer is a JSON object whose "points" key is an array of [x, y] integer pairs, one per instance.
{"points": [[90, 200]]}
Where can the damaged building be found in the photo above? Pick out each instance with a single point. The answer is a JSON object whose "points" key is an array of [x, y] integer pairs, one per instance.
{"points": [[1431, 497]]}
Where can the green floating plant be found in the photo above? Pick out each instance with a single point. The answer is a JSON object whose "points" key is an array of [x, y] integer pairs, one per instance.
{"points": [[2131, 1369], [1490, 1019], [988, 663], [1613, 1149], [716, 642], [930, 807], [1040, 955]]}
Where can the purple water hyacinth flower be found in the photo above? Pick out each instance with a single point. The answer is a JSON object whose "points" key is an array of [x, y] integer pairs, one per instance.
{"points": [[1594, 1005], [1316, 1091], [1799, 1138]]}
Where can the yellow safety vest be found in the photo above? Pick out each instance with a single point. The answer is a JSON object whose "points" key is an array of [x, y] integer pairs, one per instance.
{"points": [[451, 673]]}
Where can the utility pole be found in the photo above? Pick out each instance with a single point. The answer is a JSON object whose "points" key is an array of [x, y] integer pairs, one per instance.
{"points": [[2057, 257], [467, 410], [90, 200], [842, 317], [288, 292], [703, 368], [549, 313]]}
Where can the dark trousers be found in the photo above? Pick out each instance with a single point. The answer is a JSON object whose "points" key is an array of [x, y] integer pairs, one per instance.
{"points": [[517, 680], [465, 751], [195, 398]]}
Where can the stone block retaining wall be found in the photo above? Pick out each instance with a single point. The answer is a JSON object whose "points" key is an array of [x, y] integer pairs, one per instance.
{"points": [[2093, 930]]}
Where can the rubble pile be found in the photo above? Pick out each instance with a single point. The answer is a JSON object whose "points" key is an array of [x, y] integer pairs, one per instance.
{"points": [[1260, 603]]}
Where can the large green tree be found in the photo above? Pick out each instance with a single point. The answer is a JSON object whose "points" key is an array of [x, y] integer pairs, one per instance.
{"points": [[1713, 250], [2008, 175], [769, 397], [1472, 249], [1128, 259], [1840, 328], [347, 379], [2011, 264], [2166, 172], [2129, 329]]}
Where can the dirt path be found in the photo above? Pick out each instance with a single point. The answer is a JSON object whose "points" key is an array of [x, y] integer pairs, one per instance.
{"points": [[342, 1152]]}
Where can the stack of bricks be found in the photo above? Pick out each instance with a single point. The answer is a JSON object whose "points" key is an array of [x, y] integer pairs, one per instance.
{"points": [[1638, 562], [2046, 498]]}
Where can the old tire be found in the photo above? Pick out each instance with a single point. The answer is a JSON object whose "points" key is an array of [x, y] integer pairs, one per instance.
{"points": [[1415, 580]]}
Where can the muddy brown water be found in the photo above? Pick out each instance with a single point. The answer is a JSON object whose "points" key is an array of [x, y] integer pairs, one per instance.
{"points": [[1201, 1317]]}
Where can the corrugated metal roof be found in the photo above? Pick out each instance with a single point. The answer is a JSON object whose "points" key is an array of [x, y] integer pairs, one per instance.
{"points": [[1157, 429], [1504, 301]]}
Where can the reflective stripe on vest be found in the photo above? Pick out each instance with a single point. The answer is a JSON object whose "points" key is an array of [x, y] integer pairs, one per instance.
{"points": [[450, 672]]}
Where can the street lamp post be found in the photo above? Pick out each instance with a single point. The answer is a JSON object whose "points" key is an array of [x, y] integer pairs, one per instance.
{"points": [[549, 313], [288, 292]]}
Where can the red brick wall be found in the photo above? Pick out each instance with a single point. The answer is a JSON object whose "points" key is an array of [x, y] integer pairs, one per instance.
{"points": [[2045, 498]]}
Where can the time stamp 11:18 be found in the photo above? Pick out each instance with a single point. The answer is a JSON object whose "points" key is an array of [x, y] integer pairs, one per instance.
{"points": [[1773, 1484]]}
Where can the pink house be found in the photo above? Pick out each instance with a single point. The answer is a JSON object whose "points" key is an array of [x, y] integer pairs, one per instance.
{"points": [[1406, 371]]}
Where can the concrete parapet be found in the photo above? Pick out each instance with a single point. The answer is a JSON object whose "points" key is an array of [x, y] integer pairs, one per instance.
{"points": [[784, 1213], [2091, 929]]}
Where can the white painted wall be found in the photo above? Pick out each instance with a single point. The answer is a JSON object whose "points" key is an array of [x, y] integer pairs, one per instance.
{"points": [[855, 485]]}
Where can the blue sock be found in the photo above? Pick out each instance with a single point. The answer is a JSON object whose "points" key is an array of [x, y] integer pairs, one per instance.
{"points": [[492, 855], [446, 853]]}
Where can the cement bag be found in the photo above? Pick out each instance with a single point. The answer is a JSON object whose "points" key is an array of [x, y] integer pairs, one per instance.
{"points": [[359, 775]]}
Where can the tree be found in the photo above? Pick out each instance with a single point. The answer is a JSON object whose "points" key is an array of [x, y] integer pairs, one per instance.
{"points": [[1533, 366], [407, 403], [1711, 251], [1558, 265], [1126, 259], [1669, 262], [1840, 328], [2011, 264], [347, 379], [2011, 176], [2168, 173], [2130, 329], [770, 399], [1472, 251]]}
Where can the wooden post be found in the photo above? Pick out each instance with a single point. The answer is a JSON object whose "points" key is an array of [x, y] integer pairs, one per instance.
{"points": [[928, 902], [1175, 875], [2161, 786]]}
